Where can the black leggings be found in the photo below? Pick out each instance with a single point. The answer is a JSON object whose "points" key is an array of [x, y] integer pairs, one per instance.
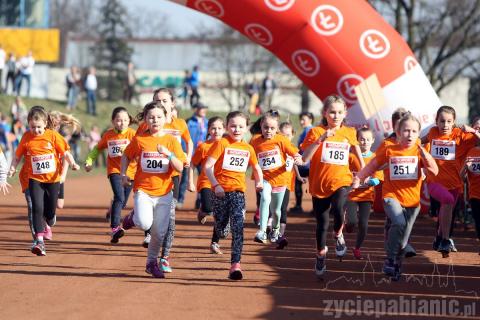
{"points": [[475, 205], [322, 207], [44, 202], [358, 212], [286, 199], [206, 195]]}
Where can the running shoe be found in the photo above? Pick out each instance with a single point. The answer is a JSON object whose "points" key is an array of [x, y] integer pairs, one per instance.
{"points": [[273, 235], [340, 246], [128, 221], [235, 272], [389, 267], [452, 245], [409, 251], [117, 233], [282, 242], [47, 233], [320, 266], [260, 237], [445, 246], [38, 248], [215, 248], [146, 240], [296, 209], [153, 269], [165, 265], [357, 254]]}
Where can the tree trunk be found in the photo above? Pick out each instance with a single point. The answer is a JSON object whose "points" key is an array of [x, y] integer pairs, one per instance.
{"points": [[305, 98]]}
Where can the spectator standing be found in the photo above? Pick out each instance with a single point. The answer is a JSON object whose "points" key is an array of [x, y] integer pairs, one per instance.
{"points": [[91, 89], [253, 93], [186, 88], [2, 66], [130, 82], [25, 70], [93, 138], [19, 111], [194, 83], [73, 81], [11, 72], [268, 88]]}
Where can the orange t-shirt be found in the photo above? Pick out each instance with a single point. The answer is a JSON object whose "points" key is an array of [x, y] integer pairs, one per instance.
{"points": [[233, 158], [402, 175], [473, 173], [115, 142], [289, 163], [142, 128], [449, 152], [329, 168], [271, 155], [154, 172], [363, 193], [199, 157], [42, 155]]}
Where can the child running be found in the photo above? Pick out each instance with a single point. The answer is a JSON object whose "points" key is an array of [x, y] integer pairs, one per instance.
{"points": [[448, 145], [115, 140], [225, 167], [158, 155], [271, 150], [471, 171], [327, 148], [401, 188], [216, 129], [42, 149], [360, 201], [286, 129]]}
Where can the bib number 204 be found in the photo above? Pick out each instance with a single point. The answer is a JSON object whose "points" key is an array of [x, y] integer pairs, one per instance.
{"points": [[153, 164]]}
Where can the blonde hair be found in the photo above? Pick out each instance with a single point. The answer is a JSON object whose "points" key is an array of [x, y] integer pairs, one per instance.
{"points": [[327, 103], [68, 121], [407, 117]]}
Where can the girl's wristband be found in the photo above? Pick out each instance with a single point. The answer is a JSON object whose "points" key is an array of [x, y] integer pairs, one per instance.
{"points": [[171, 156]]}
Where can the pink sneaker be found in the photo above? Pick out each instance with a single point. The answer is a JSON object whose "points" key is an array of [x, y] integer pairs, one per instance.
{"points": [[153, 269], [235, 272], [47, 233], [117, 233]]}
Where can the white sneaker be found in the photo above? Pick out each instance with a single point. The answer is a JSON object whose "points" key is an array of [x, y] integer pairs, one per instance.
{"points": [[260, 237], [273, 236], [340, 246], [146, 240]]}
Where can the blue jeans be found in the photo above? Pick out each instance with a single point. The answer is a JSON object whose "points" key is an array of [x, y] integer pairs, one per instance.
{"points": [[91, 102], [19, 80], [72, 97], [120, 198], [182, 188]]}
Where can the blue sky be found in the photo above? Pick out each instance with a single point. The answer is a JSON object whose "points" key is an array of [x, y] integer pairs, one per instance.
{"points": [[178, 15]]}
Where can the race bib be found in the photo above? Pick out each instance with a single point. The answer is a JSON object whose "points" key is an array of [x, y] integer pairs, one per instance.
{"points": [[44, 164], [443, 149], [475, 166], [289, 163], [116, 147], [154, 162], [235, 160], [175, 133], [403, 168], [270, 159], [335, 152]]}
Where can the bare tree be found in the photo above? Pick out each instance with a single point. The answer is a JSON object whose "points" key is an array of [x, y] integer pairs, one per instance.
{"points": [[238, 59], [146, 23], [443, 34]]}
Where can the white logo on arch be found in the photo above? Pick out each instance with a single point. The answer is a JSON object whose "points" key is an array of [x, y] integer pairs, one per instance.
{"points": [[258, 33], [279, 5], [409, 63], [326, 20], [306, 62], [346, 87], [210, 7], [374, 44]]}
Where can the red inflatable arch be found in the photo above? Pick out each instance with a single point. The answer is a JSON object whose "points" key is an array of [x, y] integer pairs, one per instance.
{"points": [[333, 46]]}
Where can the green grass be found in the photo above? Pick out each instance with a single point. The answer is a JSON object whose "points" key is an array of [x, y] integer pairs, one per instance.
{"points": [[104, 110]]}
